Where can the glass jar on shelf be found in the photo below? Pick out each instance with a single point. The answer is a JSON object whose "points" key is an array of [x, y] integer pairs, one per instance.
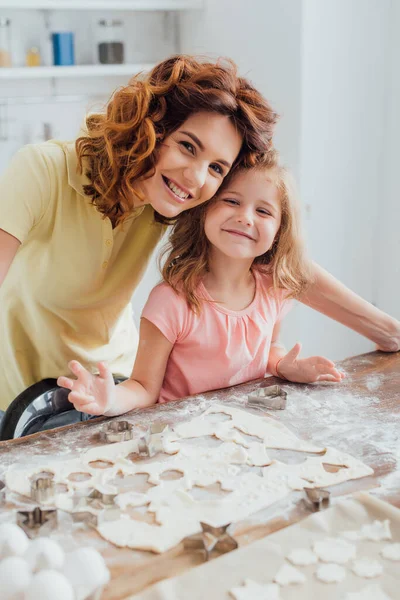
{"points": [[110, 42], [5, 42]]}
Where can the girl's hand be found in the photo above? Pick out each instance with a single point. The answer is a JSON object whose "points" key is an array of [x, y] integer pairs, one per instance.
{"points": [[307, 370], [91, 394]]}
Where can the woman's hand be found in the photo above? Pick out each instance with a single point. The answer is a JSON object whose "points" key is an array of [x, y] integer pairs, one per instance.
{"points": [[91, 394], [307, 370]]}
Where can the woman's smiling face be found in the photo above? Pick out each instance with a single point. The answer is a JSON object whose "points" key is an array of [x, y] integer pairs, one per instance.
{"points": [[192, 163]]}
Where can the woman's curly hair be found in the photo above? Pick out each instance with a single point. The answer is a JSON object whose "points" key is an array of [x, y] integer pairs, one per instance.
{"points": [[185, 259], [122, 143]]}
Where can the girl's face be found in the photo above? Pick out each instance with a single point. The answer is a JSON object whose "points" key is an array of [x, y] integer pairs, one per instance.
{"points": [[243, 221], [192, 163]]}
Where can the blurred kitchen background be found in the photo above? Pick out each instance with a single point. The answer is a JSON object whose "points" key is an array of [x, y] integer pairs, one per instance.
{"points": [[329, 67]]}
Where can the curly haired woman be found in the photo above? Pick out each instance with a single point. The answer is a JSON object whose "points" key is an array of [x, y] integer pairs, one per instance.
{"points": [[79, 220]]}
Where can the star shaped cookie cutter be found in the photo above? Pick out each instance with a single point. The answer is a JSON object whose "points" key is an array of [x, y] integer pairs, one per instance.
{"points": [[145, 446], [2, 492], [116, 431], [211, 538], [318, 498], [271, 397], [37, 520]]}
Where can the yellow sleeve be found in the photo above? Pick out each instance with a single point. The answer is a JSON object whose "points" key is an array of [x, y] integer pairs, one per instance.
{"points": [[25, 192]]}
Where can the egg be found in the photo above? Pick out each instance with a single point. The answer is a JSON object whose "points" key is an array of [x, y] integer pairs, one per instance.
{"points": [[49, 585], [86, 570], [44, 553], [13, 540], [15, 577]]}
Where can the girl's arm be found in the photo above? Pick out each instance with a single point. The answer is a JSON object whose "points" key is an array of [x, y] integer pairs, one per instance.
{"points": [[97, 394], [288, 365], [332, 298]]}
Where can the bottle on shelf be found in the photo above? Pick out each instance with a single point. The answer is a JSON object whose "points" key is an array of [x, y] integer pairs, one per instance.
{"points": [[33, 58], [110, 45], [5, 42]]}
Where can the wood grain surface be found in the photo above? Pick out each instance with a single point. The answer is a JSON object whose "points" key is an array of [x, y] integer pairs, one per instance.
{"points": [[360, 416]]}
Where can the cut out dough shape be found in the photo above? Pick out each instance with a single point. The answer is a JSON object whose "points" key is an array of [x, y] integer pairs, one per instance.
{"points": [[391, 552], [311, 472], [367, 567], [302, 557], [256, 591], [375, 532], [288, 575], [273, 434], [334, 550], [371, 592], [330, 573]]}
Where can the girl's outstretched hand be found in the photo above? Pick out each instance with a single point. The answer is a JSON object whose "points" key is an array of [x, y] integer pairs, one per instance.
{"points": [[91, 394], [307, 370]]}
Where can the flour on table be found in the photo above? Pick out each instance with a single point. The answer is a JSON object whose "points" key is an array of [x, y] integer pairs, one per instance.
{"points": [[330, 573], [371, 592], [302, 557], [256, 591], [288, 575], [334, 550], [367, 567], [391, 552]]}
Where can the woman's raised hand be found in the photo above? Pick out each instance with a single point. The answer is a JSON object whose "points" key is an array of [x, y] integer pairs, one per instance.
{"points": [[307, 370], [91, 394]]}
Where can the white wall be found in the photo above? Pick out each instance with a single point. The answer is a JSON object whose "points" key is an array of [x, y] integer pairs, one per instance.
{"points": [[387, 243]]}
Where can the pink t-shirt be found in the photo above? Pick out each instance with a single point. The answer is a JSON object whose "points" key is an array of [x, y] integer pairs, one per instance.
{"points": [[219, 348]]}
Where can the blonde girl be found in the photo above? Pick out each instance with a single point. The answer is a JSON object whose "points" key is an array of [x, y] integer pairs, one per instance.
{"points": [[233, 265]]}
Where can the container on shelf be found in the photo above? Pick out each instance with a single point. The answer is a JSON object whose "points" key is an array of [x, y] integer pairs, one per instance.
{"points": [[110, 42], [32, 58], [5, 42], [63, 48]]}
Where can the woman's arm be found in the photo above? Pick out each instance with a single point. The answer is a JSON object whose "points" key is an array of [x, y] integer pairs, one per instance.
{"points": [[97, 394], [8, 249], [335, 300]]}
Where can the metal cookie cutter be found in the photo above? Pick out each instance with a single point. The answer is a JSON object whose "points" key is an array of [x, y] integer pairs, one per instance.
{"points": [[271, 397], [37, 520], [42, 488], [211, 538], [94, 519], [318, 497], [98, 497], [117, 431], [2, 491], [147, 447]]}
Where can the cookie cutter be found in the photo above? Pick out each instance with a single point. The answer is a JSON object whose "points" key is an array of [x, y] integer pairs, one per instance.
{"points": [[271, 397], [117, 431], [42, 488], [145, 446], [37, 520], [2, 492], [98, 497], [318, 497], [211, 538]]}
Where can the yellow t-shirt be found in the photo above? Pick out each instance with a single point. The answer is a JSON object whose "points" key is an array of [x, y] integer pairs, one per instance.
{"points": [[67, 293]]}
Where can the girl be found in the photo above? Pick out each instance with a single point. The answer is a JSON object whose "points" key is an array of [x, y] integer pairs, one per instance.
{"points": [[232, 266]]}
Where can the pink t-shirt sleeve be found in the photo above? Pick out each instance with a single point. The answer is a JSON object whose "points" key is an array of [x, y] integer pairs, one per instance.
{"points": [[167, 311]]}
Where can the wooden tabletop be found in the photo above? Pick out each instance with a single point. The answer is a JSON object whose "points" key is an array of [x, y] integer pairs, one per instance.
{"points": [[360, 416]]}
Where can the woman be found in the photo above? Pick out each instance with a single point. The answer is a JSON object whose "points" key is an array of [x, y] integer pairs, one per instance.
{"points": [[79, 220]]}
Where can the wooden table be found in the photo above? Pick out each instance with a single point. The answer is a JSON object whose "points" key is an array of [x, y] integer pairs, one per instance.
{"points": [[360, 416]]}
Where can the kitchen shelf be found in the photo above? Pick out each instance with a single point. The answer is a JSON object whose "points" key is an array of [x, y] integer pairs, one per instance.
{"points": [[110, 5], [73, 71]]}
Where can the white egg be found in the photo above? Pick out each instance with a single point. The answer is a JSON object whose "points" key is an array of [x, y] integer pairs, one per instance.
{"points": [[15, 577], [86, 570], [44, 553], [49, 585], [13, 540]]}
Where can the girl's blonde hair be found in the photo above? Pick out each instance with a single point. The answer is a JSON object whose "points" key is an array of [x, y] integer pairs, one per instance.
{"points": [[187, 252]]}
